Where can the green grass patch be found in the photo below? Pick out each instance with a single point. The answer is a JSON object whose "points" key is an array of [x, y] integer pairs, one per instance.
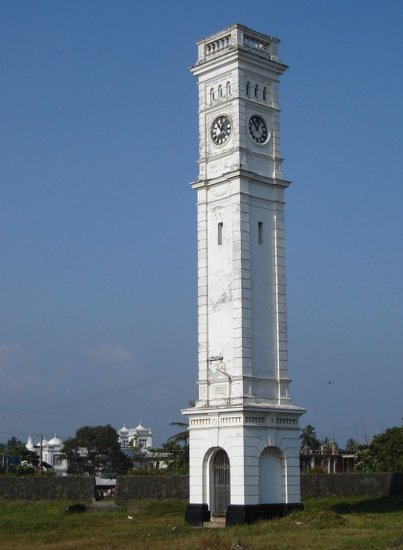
{"points": [[333, 523]]}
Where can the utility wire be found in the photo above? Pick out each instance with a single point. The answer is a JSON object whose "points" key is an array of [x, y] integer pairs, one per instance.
{"points": [[86, 400]]}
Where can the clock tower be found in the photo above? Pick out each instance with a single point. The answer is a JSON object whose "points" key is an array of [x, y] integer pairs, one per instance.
{"points": [[244, 428]]}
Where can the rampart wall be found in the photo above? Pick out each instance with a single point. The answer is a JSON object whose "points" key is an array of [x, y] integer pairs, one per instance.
{"points": [[77, 488], [47, 488], [158, 487], [338, 485]]}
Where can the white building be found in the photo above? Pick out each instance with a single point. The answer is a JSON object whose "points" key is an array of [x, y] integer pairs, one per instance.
{"points": [[139, 437], [49, 452], [137, 444], [244, 428]]}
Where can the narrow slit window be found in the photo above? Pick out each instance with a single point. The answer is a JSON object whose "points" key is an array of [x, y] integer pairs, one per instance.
{"points": [[220, 228], [247, 88], [264, 93], [211, 95], [220, 91], [228, 88], [256, 90], [260, 232]]}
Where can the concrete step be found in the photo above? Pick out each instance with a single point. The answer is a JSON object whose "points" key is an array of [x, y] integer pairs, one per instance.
{"points": [[215, 523]]}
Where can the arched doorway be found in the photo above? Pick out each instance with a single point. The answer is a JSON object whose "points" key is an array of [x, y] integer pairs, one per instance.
{"points": [[221, 483]]}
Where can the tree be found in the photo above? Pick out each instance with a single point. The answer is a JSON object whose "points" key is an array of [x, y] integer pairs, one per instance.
{"points": [[19, 459], [95, 450], [17, 448], [177, 459], [183, 435], [383, 454], [176, 448], [308, 438]]}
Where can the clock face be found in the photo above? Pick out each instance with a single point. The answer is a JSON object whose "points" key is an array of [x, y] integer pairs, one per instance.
{"points": [[258, 129], [221, 130]]}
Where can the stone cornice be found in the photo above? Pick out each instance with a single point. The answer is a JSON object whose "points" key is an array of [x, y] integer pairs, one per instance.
{"points": [[240, 173]]}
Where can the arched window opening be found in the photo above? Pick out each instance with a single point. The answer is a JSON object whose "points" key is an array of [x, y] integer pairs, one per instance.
{"points": [[220, 91], [219, 236], [228, 88], [211, 95]]}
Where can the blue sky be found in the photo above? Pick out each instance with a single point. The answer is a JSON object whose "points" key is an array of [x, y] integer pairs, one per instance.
{"points": [[98, 118]]}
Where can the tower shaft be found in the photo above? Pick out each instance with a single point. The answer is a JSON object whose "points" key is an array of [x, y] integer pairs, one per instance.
{"points": [[244, 426]]}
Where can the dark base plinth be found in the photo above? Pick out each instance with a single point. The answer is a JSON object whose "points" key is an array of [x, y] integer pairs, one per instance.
{"points": [[249, 513], [197, 514]]}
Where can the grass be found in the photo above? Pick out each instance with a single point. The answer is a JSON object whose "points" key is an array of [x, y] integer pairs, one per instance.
{"points": [[353, 523]]}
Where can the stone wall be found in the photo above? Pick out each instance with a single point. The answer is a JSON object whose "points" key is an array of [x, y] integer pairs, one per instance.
{"points": [[325, 485], [312, 486], [158, 487], [47, 488]]}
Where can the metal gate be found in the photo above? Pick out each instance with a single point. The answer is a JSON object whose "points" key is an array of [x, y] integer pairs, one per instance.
{"points": [[221, 479]]}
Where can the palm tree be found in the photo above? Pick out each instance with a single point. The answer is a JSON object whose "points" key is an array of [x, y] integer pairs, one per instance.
{"points": [[183, 435], [177, 448], [308, 438]]}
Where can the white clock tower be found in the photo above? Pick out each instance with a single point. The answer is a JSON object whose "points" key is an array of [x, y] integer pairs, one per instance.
{"points": [[244, 429]]}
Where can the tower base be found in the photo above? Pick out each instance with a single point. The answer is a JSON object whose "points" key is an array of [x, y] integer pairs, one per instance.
{"points": [[250, 513], [237, 514], [197, 514]]}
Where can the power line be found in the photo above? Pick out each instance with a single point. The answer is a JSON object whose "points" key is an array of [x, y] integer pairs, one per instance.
{"points": [[18, 433], [88, 399]]}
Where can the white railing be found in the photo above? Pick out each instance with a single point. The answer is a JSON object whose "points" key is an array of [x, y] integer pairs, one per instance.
{"points": [[217, 45]]}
